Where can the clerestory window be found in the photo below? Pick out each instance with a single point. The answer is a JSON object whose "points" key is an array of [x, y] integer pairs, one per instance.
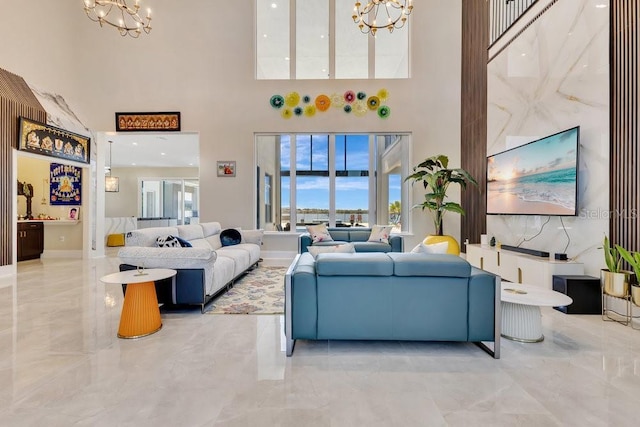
{"points": [[317, 39]]}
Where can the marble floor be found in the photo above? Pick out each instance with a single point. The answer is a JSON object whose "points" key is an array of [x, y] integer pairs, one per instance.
{"points": [[62, 365]]}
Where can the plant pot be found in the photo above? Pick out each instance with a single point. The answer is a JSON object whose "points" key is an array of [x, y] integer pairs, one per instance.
{"points": [[615, 284], [635, 294], [454, 247]]}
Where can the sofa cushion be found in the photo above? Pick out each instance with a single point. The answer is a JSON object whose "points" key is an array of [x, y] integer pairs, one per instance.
{"points": [[438, 265], [190, 232], [339, 234], [372, 247], [210, 228], [147, 236], [358, 264], [319, 233], [223, 273], [252, 236], [359, 235], [380, 234], [240, 257], [214, 241], [346, 248]]}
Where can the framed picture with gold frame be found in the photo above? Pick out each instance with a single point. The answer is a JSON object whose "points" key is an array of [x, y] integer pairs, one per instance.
{"points": [[40, 138]]}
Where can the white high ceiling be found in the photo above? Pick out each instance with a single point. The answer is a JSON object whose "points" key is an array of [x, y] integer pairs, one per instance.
{"points": [[154, 149]]}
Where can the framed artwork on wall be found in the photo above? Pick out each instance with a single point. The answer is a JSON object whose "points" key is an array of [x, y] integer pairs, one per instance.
{"points": [[65, 184], [40, 138], [148, 122], [226, 168]]}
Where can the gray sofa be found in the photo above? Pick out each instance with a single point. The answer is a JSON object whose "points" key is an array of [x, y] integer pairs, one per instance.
{"points": [[391, 296], [203, 271], [356, 235]]}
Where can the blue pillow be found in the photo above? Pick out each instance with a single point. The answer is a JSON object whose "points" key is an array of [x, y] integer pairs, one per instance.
{"points": [[184, 243], [230, 237]]}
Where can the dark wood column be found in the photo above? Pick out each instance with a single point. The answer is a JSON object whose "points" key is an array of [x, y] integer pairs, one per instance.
{"points": [[16, 99], [624, 161], [473, 132]]}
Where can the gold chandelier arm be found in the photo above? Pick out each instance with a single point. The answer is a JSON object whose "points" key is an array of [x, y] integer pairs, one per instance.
{"points": [[367, 17], [120, 15]]}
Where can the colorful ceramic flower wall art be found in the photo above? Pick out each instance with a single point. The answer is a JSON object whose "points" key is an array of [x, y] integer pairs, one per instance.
{"points": [[350, 102]]}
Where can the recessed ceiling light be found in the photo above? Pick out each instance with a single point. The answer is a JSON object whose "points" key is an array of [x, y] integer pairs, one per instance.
{"points": [[601, 6], [264, 35], [133, 164], [523, 54], [321, 36], [286, 58], [273, 5], [134, 143], [163, 154]]}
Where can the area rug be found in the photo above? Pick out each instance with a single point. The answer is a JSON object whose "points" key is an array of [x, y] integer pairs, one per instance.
{"points": [[260, 291]]}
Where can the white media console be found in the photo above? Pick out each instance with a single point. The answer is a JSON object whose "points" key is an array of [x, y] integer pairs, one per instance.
{"points": [[520, 268]]}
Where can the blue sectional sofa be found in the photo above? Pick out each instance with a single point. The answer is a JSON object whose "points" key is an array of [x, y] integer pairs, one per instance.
{"points": [[356, 235], [391, 296]]}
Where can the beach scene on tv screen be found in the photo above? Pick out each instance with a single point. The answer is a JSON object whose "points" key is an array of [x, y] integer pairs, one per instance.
{"points": [[537, 178]]}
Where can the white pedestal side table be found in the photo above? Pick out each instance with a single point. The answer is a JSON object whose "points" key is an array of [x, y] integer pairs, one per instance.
{"points": [[140, 313], [521, 318]]}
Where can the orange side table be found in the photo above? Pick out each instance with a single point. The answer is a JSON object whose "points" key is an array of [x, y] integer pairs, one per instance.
{"points": [[140, 313]]}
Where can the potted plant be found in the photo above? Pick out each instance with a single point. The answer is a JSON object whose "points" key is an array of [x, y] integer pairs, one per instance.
{"points": [[615, 281], [633, 258], [435, 176]]}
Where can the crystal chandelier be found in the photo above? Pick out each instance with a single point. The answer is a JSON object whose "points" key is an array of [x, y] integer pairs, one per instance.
{"points": [[394, 15], [119, 15]]}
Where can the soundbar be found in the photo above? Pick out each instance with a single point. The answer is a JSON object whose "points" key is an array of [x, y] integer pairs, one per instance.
{"points": [[533, 252]]}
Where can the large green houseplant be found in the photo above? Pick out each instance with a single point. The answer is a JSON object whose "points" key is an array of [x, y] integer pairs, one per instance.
{"points": [[436, 177]]}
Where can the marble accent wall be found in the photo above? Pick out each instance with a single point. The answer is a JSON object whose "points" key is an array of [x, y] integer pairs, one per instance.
{"points": [[60, 114], [554, 76]]}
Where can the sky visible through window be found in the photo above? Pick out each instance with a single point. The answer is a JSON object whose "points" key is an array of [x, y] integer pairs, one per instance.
{"points": [[312, 192]]}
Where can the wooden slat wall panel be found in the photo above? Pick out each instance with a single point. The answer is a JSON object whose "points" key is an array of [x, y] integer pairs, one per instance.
{"points": [[624, 162], [16, 99], [473, 146]]}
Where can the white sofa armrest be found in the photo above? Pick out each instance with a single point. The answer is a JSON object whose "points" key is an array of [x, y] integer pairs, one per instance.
{"points": [[252, 236]]}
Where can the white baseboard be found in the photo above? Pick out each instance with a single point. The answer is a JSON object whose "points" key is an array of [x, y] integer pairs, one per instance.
{"points": [[8, 270], [62, 253]]}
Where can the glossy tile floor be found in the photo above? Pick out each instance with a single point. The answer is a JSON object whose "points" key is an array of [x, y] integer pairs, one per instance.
{"points": [[62, 365]]}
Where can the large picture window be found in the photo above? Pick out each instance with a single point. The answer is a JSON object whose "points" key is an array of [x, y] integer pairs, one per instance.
{"points": [[304, 39], [343, 180]]}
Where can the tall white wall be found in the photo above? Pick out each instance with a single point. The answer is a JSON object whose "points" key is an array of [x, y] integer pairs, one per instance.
{"points": [[554, 76], [199, 60]]}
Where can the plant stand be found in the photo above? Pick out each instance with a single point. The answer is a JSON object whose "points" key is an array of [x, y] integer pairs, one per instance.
{"points": [[635, 302], [607, 312]]}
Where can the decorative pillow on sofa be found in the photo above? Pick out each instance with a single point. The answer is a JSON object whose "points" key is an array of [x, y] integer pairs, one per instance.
{"points": [[380, 233], [435, 248], [347, 248], [172, 242], [319, 233], [230, 237]]}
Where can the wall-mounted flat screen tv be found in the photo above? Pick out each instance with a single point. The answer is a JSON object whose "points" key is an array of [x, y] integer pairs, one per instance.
{"points": [[538, 178]]}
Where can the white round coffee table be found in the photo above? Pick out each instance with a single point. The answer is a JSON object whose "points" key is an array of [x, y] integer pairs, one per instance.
{"points": [[521, 318], [140, 314]]}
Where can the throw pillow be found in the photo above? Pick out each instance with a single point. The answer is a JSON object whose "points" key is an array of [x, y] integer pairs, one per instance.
{"points": [[348, 248], [230, 237], [184, 243], [319, 233], [435, 248], [168, 242], [380, 233]]}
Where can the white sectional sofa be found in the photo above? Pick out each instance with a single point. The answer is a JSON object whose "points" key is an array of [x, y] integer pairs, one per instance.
{"points": [[204, 270]]}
